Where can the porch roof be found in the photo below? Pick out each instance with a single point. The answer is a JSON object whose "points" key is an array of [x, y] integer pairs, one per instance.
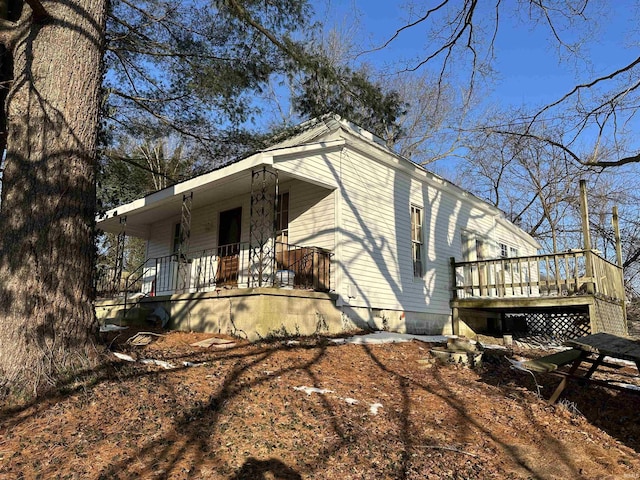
{"points": [[209, 188]]}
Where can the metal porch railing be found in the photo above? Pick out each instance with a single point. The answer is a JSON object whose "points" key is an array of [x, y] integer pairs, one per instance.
{"points": [[226, 266]]}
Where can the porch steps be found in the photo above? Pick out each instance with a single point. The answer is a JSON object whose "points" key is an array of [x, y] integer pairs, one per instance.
{"points": [[132, 316]]}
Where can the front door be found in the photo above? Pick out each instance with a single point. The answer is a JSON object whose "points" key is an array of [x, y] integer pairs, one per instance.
{"points": [[229, 232]]}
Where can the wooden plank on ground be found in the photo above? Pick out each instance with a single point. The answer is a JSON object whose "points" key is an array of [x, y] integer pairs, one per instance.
{"points": [[214, 342], [552, 362]]}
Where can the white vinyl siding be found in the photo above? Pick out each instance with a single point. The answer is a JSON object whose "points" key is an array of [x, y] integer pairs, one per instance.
{"points": [[374, 253], [204, 228], [311, 215], [366, 222]]}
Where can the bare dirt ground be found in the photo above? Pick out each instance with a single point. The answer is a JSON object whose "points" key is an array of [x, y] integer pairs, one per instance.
{"points": [[240, 413]]}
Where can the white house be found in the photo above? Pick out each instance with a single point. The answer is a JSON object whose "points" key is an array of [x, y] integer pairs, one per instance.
{"points": [[326, 231]]}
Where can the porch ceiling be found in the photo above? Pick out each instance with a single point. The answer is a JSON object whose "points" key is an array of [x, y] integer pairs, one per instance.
{"points": [[142, 213]]}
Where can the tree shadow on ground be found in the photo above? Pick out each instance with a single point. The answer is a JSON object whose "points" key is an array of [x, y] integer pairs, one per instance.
{"points": [[254, 469], [460, 427], [615, 412], [212, 421]]}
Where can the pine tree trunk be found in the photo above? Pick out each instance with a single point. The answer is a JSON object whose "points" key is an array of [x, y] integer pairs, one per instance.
{"points": [[47, 320]]}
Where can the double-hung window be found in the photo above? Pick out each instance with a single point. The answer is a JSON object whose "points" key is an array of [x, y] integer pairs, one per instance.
{"points": [[507, 252], [416, 240], [504, 251]]}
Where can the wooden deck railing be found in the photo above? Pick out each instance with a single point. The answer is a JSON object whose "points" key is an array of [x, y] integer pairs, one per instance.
{"points": [[573, 272]]}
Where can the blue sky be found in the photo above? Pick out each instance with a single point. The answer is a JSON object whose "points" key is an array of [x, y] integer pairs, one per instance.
{"points": [[527, 66], [529, 72]]}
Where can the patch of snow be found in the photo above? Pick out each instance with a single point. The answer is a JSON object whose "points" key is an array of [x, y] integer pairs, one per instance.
{"points": [[351, 401], [191, 364], [628, 386], [619, 361], [159, 363], [518, 365], [494, 346], [123, 356], [390, 337], [293, 342], [310, 390], [111, 328], [374, 407]]}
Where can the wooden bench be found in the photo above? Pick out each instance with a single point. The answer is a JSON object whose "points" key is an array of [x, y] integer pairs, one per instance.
{"points": [[575, 357], [551, 363]]}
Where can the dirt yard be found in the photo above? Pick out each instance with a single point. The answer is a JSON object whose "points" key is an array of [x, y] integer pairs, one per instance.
{"points": [[314, 409]]}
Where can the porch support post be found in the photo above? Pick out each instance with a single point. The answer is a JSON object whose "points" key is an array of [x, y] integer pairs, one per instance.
{"points": [[119, 261], [183, 243], [262, 248]]}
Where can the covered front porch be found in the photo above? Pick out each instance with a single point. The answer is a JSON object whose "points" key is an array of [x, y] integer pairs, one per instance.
{"points": [[246, 228], [248, 224]]}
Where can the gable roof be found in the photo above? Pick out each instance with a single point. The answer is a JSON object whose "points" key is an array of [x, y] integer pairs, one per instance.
{"points": [[321, 133]]}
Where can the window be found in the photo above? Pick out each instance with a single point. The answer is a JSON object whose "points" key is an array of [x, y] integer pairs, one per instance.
{"points": [[282, 218], [513, 252], [509, 252], [483, 249], [416, 240]]}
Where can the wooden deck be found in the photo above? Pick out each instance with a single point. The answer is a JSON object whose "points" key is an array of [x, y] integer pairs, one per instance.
{"points": [[573, 281]]}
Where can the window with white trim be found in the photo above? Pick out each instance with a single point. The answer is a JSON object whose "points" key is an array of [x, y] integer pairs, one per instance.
{"points": [[509, 252], [416, 240], [513, 252]]}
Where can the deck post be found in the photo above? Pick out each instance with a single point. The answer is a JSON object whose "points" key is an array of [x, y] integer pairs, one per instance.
{"points": [[455, 321], [454, 290], [586, 234], [593, 320], [616, 230]]}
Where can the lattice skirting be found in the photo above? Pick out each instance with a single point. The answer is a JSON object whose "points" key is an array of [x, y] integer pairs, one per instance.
{"points": [[554, 324], [609, 318]]}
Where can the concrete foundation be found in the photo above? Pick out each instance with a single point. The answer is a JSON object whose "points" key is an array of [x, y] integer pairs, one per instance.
{"points": [[259, 313]]}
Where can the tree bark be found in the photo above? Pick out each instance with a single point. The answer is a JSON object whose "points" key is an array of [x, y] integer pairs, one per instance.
{"points": [[47, 320]]}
